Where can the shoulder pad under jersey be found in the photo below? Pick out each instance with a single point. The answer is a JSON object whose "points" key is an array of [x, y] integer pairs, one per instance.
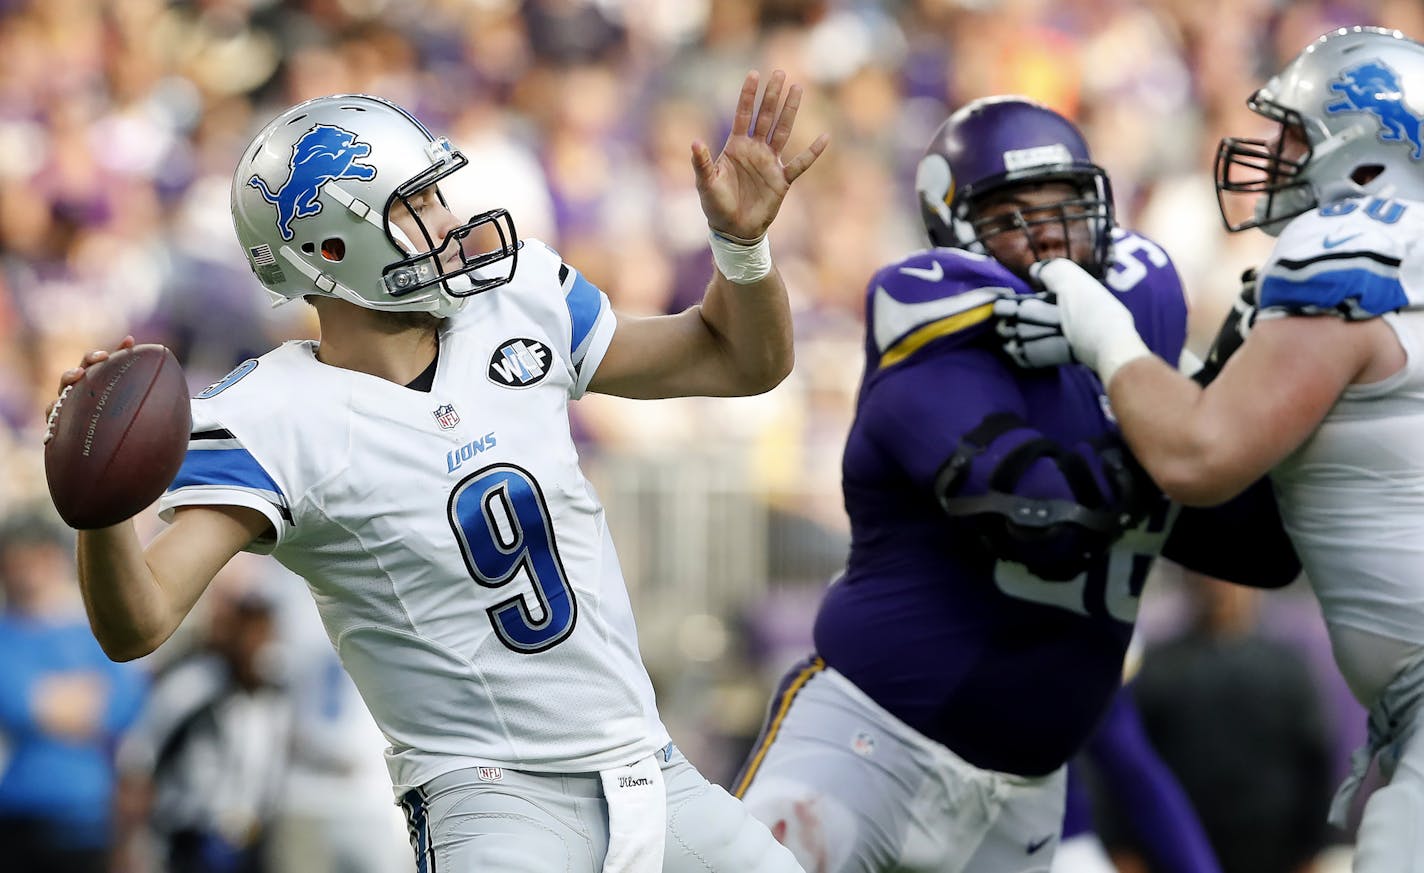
{"points": [[930, 294], [1357, 259]]}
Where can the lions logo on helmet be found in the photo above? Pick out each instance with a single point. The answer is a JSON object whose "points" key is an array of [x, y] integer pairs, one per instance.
{"points": [[323, 154], [1373, 87]]}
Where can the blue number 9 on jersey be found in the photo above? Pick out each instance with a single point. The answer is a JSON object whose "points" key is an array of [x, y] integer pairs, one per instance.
{"points": [[502, 523]]}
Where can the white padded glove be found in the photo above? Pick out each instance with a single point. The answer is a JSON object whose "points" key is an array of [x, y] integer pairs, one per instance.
{"points": [[1099, 328], [1030, 327]]}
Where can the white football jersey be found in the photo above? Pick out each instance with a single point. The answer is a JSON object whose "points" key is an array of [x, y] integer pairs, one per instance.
{"points": [[1352, 496], [459, 559]]}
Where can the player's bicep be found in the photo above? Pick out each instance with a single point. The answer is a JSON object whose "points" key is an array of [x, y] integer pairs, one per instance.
{"points": [[1274, 393], [190, 551], [659, 356]]}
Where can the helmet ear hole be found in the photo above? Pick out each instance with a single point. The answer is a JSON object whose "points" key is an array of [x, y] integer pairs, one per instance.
{"points": [[333, 249], [1364, 174]]}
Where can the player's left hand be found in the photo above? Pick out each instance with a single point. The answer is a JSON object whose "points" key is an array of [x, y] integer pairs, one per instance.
{"points": [[742, 190], [1032, 330], [1099, 328]]}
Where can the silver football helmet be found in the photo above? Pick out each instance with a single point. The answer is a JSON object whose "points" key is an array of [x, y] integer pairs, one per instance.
{"points": [[312, 198], [1356, 96]]}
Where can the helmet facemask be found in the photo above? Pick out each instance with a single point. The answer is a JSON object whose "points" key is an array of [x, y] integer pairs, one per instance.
{"points": [[1083, 220], [1259, 168], [457, 261], [1002, 151]]}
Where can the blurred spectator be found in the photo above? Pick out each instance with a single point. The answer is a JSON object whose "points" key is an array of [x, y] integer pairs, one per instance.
{"points": [[62, 705], [1238, 718], [203, 767]]}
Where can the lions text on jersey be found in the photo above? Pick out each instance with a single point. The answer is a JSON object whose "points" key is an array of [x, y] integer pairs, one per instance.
{"points": [[459, 558]]}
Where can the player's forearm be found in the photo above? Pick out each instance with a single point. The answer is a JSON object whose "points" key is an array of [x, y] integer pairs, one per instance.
{"points": [[1171, 433], [129, 611], [751, 327]]}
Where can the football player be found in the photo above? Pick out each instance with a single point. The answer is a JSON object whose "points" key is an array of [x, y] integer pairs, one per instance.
{"points": [[415, 466], [1000, 533], [1327, 390]]}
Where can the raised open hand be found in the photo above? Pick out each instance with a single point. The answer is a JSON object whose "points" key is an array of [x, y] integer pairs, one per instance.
{"points": [[742, 190]]}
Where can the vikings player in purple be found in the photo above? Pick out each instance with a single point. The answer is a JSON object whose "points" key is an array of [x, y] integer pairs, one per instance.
{"points": [[1001, 533]]}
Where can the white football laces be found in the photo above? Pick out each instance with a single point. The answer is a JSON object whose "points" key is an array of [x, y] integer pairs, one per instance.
{"points": [[54, 414]]}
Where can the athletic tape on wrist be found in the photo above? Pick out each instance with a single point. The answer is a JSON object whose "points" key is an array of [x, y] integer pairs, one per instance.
{"points": [[1124, 351], [740, 261]]}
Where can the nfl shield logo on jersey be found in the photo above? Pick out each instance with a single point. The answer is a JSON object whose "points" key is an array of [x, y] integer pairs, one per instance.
{"points": [[520, 363], [447, 416]]}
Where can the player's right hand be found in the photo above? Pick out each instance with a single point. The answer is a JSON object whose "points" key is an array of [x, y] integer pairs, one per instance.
{"points": [[70, 377], [1099, 328]]}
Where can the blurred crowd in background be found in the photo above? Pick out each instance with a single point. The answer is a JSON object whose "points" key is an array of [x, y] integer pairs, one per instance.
{"points": [[121, 122]]}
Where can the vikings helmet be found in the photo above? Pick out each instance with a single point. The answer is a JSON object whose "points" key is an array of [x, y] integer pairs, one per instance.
{"points": [[997, 142], [311, 202], [1356, 96]]}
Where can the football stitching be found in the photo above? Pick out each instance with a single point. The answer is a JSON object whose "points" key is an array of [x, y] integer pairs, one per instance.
{"points": [[54, 414]]}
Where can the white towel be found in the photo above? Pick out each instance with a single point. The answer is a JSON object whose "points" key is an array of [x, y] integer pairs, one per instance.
{"points": [[637, 817]]}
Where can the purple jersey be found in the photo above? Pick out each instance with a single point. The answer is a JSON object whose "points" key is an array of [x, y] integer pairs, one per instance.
{"points": [[1009, 671]]}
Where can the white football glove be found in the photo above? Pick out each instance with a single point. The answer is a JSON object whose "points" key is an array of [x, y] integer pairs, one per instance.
{"points": [[1098, 327], [1032, 331]]}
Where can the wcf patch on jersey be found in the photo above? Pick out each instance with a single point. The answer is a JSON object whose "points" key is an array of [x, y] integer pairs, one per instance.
{"points": [[520, 363]]}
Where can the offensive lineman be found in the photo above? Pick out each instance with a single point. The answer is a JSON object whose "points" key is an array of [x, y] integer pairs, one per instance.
{"points": [[415, 466], [1327, 391]]}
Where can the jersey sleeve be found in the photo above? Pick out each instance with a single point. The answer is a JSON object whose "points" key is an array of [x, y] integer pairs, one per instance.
{"points": [[220, 470], [940, 296], [913, 418], [1355, 259], [591, 322], [581, 320]]}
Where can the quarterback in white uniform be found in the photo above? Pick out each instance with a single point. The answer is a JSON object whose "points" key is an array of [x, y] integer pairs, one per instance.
{"points": [[1327, 390], [416, 467]]}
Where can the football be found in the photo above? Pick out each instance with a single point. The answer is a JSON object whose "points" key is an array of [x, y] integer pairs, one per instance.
{"points": [[117, 437]]}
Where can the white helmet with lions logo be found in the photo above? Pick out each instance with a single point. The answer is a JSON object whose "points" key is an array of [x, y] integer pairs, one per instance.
{"points": [[1356, 96], [311, 203]]}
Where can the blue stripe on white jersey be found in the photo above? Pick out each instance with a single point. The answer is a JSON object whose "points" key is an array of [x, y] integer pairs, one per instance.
{"points": [[585, 302], [230, 467], [1365, 290], [1360, 284]]}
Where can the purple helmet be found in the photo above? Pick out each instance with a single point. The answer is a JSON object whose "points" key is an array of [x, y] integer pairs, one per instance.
{"points": [[997, 142]]}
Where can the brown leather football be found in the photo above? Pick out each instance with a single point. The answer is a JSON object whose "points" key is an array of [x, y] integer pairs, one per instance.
{"points": [[118, 437]]}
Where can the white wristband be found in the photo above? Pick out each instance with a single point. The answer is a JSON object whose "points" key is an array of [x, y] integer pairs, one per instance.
{"points": [[1122, 350], [741, 262]]}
